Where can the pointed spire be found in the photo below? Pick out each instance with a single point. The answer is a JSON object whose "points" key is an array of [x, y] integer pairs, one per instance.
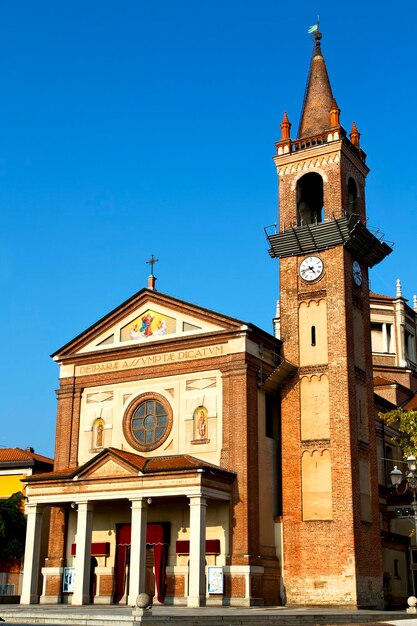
{"points": [[398, 289], [318, 98], [355, 135], [285, 128]]}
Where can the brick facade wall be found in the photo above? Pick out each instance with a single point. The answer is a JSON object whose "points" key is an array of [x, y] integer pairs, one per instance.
{"points": [[56, 543], [239, 448], [335, 561]]}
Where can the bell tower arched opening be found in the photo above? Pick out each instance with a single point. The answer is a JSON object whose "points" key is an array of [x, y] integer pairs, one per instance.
{"points": [[309, 195], [352, 197]]}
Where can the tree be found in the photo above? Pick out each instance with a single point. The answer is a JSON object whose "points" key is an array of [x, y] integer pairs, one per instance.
{"points": [[405, 422], [12, 529]]}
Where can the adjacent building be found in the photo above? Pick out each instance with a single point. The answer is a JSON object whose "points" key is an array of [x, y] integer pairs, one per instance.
{"points": [[17, 464]]}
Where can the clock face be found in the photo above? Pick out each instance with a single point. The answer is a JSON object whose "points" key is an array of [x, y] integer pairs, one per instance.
{"points": [[357, 273], [311, 268]]}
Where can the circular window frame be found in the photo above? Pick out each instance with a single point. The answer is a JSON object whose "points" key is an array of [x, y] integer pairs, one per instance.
{"points": [[128, 416]]}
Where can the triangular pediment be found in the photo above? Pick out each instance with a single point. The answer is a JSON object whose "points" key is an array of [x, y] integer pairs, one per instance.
{"points": [[109, 469], [146, 318], [109, 465]]}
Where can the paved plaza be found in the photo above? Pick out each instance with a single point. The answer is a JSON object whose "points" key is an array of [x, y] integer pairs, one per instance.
{"points": [[203, 616]]}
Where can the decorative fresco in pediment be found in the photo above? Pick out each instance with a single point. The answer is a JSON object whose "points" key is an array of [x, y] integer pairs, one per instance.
{"points": [[147, 317], [150, 324], [109, 469]]}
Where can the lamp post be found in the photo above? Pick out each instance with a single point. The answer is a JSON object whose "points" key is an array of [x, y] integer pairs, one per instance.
{"points": [[396, 477]]}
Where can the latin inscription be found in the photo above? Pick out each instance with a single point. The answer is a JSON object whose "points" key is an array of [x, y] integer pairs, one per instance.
{"points": [[147, 361]]}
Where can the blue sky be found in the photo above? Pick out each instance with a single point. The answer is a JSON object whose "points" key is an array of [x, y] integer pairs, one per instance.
{"points": [[133, 128]]}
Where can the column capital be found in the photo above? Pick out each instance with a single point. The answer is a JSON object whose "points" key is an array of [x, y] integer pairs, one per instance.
{"points": [[84, 506], [32, 507], [198, 500], [138, 503]]}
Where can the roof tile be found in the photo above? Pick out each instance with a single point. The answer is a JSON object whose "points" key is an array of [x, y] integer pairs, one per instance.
{"points": [[17, 454]]}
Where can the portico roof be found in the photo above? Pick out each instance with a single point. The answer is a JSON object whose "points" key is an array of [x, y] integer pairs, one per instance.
{"points": [[137, 464]]}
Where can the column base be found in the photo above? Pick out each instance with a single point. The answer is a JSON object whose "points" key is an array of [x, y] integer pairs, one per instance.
{"points": [[85, 599], [31, 599], [51, 600], [103, 599], [196, 601]]}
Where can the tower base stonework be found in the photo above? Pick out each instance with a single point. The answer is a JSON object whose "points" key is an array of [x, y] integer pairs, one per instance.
{"points": [[337, 590]]}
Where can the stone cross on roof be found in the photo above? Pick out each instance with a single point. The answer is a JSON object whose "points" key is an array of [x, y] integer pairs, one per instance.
{"points": [[151, 277]]}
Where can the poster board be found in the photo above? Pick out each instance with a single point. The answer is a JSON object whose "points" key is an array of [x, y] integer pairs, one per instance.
{"points": [[68, 580], [215, 579]]}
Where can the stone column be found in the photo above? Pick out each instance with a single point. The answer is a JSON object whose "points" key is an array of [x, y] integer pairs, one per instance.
{"points": [[81, 593], [197, 582], [137, 570], [31, 567]]}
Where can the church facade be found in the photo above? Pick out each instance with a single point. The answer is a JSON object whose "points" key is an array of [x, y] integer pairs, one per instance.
{"points": [[203, 460], [166, 464]]}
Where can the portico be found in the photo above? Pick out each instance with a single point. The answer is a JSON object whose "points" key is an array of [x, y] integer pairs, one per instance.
{"points": [[95, 509]]}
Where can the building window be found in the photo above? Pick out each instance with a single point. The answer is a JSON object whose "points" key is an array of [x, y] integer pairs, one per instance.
{"points": [[410, 346], [381, 337], [147, 422]]}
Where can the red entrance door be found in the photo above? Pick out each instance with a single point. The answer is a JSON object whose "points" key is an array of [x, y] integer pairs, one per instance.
{"points": [[157, 542], [122, 560]]}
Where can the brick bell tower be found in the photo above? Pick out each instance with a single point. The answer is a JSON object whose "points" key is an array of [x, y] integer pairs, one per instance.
{"points": [[331, 533]]}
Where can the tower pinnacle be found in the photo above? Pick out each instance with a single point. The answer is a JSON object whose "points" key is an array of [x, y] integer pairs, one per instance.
{"points": [[285, 128], [354, 135]]}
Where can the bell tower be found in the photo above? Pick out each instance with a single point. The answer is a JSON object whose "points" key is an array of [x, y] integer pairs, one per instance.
{"points": [[330, 519]]}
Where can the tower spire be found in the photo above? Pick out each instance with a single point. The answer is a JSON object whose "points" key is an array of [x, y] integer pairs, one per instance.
{"points": [[318, 98]]}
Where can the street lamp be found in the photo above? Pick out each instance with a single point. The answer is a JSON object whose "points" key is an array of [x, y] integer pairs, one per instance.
{"points": [[396, 477]]}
